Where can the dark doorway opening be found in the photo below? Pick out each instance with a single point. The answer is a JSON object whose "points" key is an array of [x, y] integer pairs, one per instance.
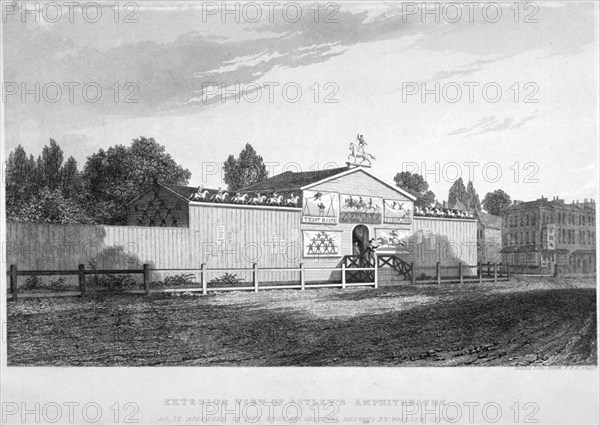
{"points": [[361, 254]]}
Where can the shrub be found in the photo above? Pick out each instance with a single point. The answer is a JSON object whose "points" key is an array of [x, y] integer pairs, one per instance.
{"points": [[114, 282], [35, 283], [227, 280], [32, 282], [179, 280], [59, 284]]}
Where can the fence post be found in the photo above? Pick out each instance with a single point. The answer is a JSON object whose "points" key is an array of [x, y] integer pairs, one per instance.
{"points": [[203, 278], [13, 281], [495, 272], [460, 272], [146, 272], [375, 273], [556, 269], [413, 275], [508, 270], [488, 268], [480, 272], [343, 275], [255, 276], [82, 279], [302, 279], [438, 272]]}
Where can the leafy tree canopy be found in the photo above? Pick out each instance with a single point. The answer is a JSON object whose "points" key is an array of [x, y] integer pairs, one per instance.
{"points": [[117, 175], [244, 171], [496, 202], [415, 184]]}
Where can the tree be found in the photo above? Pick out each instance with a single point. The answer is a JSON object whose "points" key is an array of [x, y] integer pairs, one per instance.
{"points": [[416, 185], [20, 178], [472, 199], [49, 166], [71, 182], [496, 202], [457, 193], [244, 171], [116, 176], [45, 190], [49, 206]]}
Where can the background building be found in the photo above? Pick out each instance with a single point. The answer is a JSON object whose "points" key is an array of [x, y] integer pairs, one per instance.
{"points": [[489, 233], [489, 237], [543, 233]]}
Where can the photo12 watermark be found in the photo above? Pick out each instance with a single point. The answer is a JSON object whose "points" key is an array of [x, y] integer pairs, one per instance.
{"points": [[469, 92], [54, 12], [470, 12], [69, 92]]}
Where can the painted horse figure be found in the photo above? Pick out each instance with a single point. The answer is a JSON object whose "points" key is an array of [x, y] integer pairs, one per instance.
{"points": [[357, 152], [200, 195], [220, 197]]}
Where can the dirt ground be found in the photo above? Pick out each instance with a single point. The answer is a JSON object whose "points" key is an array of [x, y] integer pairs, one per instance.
{"points": [[527, 321]]}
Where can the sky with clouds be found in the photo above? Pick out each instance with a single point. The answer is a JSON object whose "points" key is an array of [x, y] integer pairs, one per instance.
{"points": [[507, 96]]}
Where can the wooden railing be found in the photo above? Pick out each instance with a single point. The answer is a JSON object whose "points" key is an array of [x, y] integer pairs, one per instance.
{"points": [[370, 275], [456, 274], [403, 268]]}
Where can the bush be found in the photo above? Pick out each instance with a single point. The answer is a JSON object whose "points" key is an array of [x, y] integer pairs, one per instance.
{"points": [[35, 283], [114, 282], [227, 280], [179, 280], [32, 282], [59, 284]]}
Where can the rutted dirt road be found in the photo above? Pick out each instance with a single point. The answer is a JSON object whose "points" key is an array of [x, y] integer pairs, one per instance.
{"points": [[523, 322]]}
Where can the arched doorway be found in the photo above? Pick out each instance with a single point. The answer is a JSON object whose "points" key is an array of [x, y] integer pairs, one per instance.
{"points": [[360, 245], [361, 259], [360, 240]]}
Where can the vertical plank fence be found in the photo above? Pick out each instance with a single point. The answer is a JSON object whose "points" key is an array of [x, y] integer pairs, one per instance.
{"points": [[13, 282], [81, 268]]}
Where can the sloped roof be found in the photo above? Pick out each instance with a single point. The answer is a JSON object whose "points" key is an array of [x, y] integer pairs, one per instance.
{"points": [[183, 191], [294, 180], [490, 221]]}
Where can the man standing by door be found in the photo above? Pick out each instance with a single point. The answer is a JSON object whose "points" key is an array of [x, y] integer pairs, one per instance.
{"points": [[371, 254]]}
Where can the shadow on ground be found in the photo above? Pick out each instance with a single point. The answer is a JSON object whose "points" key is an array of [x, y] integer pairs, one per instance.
{"points": [[541, 327]]}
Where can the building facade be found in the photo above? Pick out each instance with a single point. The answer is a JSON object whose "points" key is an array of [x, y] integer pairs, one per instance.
{"points": [[316, 218], [544, 233], [489, 233], [489, 237]]}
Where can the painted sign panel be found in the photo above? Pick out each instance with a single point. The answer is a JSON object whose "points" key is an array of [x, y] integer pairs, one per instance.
{"points": [[320, 207], [400, 212], [360, 209], [321, 243], [392, 238]]}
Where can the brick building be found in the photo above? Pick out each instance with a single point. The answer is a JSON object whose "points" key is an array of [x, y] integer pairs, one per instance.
{"points": [[543, 233]]}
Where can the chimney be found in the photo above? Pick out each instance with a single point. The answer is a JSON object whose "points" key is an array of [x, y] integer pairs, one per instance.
{"points": [[445, 204]]}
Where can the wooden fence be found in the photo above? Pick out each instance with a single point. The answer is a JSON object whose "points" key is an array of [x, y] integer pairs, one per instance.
{"points": [[443, 274], [485, 272], [81, 272]]}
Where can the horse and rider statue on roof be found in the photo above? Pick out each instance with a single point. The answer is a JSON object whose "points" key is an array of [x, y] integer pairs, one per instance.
{"points": [[358, 151]]}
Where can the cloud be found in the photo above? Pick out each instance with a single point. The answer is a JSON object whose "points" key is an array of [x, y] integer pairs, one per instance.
{"points": [[467, 69], [490, 124]]}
